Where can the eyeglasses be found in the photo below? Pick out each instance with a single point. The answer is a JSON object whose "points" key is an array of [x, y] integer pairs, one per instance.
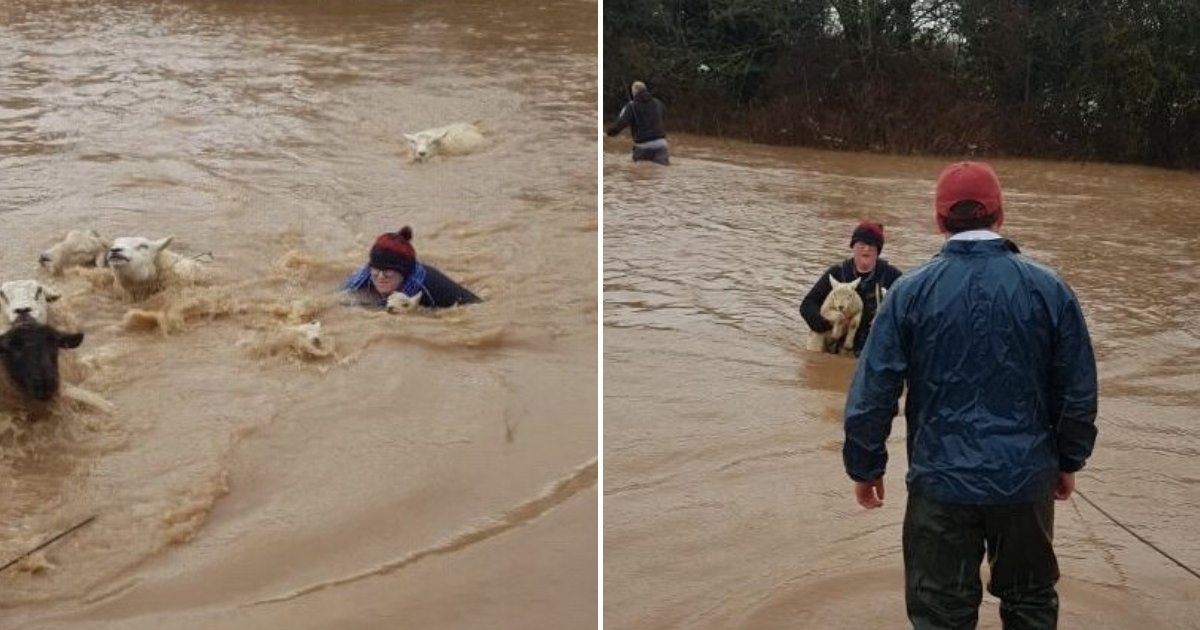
{"points": [[385, 274]]}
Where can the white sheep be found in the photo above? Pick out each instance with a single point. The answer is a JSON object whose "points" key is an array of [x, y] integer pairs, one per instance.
{"points": [[143, 267], [25, 301], [305, 341], [454, 139], [399, 302], [308, 335], [843, 309], [79, 248]]}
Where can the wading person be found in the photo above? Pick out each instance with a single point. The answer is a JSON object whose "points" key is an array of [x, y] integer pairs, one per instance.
{"points": [[644, 117], [1000, 410], [392, 267], [874, 276]]}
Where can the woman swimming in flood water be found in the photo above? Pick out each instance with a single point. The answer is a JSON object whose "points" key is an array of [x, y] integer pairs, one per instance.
{"points": [[393, 268]]}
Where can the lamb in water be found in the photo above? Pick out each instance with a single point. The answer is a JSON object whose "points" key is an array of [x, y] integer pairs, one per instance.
{"points": [[143, 267], [843, 309], [401, 303], [454, 139], [79, 248]]}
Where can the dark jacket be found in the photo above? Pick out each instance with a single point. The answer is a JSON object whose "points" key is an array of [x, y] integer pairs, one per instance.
{"points": [[882, 276], [1001, 379], [644, 117], [440, 291]]}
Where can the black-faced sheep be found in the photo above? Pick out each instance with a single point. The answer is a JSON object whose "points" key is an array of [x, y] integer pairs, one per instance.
{"points": [[29, 353]]}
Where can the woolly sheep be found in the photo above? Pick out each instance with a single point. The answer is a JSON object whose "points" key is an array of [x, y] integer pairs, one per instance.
{"points": [[399, 302], [455, 139], [29, 354], [79, 248], [843, 309], [143, 267]]}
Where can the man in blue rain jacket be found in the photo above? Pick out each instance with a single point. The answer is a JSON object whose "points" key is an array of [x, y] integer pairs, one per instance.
{"points": [[1000, 410]]}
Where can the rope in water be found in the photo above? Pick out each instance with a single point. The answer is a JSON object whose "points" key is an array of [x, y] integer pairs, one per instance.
{"points": [[48, 542], [1135, 535]]}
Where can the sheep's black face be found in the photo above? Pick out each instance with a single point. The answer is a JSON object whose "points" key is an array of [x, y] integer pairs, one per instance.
{"points": [[30, 355]]}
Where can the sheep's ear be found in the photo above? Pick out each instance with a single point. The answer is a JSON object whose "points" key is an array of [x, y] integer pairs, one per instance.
{"points": [[441, 136], [834, 281], [93, 233], [51, 294], [102, 258], [854, 283], [162, 243], [411, 139], [70, 340]]}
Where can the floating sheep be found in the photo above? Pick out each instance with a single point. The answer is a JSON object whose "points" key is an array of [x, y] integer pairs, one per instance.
{"points": [[143, 267], [303, 341], [79, 248], [29, 354], [454, 139]]}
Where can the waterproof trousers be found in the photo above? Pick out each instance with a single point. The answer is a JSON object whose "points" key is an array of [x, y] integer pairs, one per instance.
{"points": [[944, 545]]}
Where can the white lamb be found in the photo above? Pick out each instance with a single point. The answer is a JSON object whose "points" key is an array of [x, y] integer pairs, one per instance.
{"points": [[401, 303], [143, 267], [305, 341], [843, 309], [453, 139], [79, 248]]}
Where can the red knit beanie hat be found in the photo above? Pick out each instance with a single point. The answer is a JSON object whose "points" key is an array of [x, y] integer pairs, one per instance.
{"points": [[868, 232], [968, 181], [394, 250]]}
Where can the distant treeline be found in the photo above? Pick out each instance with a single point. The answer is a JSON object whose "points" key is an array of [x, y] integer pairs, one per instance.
{"points": [[1112, 80]]}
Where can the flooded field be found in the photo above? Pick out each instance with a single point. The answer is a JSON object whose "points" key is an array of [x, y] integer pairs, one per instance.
{"points": [[432, 470]]}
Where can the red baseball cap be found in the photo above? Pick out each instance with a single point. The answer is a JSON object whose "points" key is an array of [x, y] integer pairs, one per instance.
{"points": [[968, 181]]}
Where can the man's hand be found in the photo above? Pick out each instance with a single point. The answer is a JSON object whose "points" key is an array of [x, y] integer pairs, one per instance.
{"points": [[1065, 486], [869, 493]]}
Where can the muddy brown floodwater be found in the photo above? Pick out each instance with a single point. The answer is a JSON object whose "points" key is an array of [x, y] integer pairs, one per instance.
{"points": [[725, 501], [433, 470]]}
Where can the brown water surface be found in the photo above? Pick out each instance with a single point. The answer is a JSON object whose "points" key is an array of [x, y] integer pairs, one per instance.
{"points": [[425, 471], [725, 501]]}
